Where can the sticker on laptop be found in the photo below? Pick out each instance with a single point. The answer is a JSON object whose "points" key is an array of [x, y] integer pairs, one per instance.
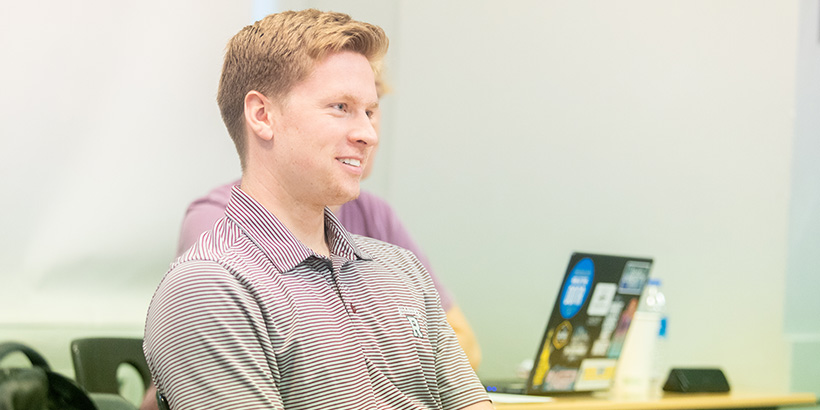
{"points": [[601, 345], [563, 332], [623, 325], [577, 347], [601, 299], [595, 374], [560, 378], [577, 287], [634, 276]]}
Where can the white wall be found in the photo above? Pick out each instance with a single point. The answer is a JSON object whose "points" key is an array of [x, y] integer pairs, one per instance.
{"points": [[109, 129], [530, 129], [518, 132], [803, 277]]}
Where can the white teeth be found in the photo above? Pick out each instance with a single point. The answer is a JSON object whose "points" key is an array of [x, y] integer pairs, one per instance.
{"points": [[353, 162]]}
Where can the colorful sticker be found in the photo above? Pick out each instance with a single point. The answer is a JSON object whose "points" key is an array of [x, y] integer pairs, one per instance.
{"points": [[634, 277], [623, 325], [576, 289], [595, 374], [560, 379], [578, 345], [562, 334], [543, 364], [601, 346]]}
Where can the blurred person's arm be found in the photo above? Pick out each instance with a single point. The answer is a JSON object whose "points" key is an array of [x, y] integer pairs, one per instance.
{"points": [[465, 335], [149, 402]]}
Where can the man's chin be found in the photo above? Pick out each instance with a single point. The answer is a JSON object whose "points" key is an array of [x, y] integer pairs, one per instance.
{"points": [[346, 196]]}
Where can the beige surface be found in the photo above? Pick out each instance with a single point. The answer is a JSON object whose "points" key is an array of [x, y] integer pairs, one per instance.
{"points": [[672, 401]]}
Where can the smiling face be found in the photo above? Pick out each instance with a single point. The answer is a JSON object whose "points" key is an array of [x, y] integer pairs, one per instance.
{"points": [[324, 132]]}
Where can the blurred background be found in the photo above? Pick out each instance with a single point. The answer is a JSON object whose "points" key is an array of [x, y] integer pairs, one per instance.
{"points": [[517, 132]]}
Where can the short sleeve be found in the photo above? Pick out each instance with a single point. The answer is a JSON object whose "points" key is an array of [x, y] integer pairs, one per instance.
{"points": [[206, 343]]}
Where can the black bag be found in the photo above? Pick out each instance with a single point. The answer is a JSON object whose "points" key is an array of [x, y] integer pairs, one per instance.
{"points": [[37, 387]]}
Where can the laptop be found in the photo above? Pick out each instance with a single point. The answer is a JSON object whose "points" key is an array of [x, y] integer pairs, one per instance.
{"points": [[586, 330]]}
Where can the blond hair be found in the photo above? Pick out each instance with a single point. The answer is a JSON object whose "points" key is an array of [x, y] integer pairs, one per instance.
{"points": [[277, 52]]}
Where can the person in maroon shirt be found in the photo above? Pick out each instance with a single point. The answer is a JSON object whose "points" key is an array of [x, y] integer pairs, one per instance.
{"points": [[367, 215], [262, 311]]}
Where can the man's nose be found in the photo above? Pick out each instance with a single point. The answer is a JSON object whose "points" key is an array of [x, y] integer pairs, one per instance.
{"points": [[364, 131]]}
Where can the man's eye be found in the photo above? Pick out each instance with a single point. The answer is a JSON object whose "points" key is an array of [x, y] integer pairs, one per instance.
{"points": [[340, 106], [369, 113]]}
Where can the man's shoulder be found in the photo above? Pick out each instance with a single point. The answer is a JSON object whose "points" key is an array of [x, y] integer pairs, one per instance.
{"points": [[216, 245], [370, 244], [385, 251]]}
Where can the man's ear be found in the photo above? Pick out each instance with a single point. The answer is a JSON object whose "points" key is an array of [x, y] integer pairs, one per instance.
{"points": [[258, 115]]}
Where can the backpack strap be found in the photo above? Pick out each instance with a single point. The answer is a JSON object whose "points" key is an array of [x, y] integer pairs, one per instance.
{"points": [[38, 384], [36, 359]]}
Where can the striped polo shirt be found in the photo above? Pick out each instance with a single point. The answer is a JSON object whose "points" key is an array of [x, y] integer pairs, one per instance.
{"points": [[250, 318]]}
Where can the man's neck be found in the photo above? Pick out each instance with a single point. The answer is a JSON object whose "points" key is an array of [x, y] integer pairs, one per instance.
{"points": [[305, 222]]}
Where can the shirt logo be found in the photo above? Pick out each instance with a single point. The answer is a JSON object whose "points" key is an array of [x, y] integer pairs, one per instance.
{"points": [[414, 323]]}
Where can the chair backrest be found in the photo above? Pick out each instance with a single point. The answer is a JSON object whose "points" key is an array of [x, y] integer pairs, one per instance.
{"points": [[96, 361], [37, 387]]}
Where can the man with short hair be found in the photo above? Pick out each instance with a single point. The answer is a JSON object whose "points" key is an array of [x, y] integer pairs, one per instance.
{"points": [[278, 306]]}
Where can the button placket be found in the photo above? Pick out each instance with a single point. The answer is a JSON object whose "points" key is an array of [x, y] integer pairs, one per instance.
{"points": [[344, 293]]}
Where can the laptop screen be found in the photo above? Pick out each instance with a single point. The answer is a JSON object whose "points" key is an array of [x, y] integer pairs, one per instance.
{"points": [[588, 324]]}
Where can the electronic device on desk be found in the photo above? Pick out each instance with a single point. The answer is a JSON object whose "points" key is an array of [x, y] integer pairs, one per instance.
{"points": [[506, 386], [696, 380], [586, 330]]}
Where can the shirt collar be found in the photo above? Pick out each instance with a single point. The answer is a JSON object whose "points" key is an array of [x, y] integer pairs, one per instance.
{"points": [[283, 249]]}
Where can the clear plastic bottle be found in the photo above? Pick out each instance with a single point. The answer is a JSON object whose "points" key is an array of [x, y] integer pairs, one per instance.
{"points": [[639, 372], [657, 300]]}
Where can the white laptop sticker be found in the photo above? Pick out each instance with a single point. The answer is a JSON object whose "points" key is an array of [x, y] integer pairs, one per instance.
{"points": [[601, 299]]}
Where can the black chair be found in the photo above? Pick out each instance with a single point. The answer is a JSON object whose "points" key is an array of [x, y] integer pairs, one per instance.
{"points": [[96, 361], [37, 387]]}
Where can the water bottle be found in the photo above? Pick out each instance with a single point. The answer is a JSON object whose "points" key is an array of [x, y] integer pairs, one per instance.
{"points": [[657, 375], [639, 373]]}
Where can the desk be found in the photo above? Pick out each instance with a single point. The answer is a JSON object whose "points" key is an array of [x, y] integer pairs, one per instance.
{"points": [[673, 401]]}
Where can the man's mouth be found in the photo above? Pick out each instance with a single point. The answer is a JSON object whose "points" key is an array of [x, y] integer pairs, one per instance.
{"points": [[352, 162]]}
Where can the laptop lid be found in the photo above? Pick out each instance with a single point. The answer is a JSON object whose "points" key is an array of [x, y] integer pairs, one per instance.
{"points": [[588, 324]]}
